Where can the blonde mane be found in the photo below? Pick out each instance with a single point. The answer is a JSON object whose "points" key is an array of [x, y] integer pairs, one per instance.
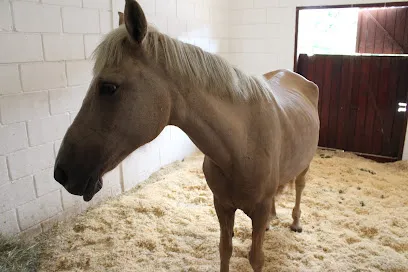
{"points": [[196, 67]]}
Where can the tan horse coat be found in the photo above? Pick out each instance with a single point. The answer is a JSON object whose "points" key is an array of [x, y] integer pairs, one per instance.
{"points": [[257, 134]]}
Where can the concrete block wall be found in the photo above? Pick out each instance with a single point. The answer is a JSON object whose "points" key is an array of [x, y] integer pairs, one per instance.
{"points": [[45, 70], [262, 32]]}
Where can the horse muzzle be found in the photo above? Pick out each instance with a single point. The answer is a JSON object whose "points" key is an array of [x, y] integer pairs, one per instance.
{"points": [[87, 188]]}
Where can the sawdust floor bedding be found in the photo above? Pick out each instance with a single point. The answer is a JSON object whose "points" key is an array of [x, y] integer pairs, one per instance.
{"points": [[354, 215]]}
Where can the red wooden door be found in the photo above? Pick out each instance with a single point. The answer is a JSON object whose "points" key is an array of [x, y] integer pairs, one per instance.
{"points": [[383, 31], [358, 102]]}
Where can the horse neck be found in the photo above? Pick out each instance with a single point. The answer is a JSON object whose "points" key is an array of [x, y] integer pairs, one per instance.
{"points": [[212, 123]]}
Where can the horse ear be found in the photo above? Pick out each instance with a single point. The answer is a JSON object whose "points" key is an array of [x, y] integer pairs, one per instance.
{"points": [[135, 21], [121, 18]]}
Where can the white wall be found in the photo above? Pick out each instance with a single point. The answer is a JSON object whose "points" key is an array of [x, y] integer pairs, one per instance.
{"points": [[262, 33], [45, 71]]}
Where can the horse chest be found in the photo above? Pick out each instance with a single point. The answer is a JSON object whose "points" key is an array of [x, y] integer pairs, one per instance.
{"points": [[234, 194], [239, 191]]}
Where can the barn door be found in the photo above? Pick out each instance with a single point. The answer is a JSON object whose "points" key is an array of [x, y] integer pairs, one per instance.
{"points": [[361, 102], [383, 31]]}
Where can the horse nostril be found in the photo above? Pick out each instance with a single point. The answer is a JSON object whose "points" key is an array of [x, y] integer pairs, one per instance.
{"points": [[60, 175]]}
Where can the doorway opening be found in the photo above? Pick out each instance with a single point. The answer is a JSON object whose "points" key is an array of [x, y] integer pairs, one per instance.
{"points": [[358, 56]]}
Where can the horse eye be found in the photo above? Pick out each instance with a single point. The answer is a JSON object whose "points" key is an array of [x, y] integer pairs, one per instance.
{"points": [[107, 89]]}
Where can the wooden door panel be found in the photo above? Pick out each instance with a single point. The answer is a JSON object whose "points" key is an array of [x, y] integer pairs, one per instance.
{"points": [[383, 31], [358, 101]]}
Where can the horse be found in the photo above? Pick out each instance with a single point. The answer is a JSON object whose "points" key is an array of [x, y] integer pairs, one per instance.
{"points": [[258, 133], [121, 18]]}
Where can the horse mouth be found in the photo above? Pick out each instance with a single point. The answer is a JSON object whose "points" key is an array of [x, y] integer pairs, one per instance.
{"points": [[92, 188]]}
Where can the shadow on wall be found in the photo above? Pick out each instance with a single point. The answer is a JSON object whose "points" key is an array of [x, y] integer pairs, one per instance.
{"points": [[171, 145]]}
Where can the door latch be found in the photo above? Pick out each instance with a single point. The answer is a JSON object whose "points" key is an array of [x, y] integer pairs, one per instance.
{"points": [[402, 107]]}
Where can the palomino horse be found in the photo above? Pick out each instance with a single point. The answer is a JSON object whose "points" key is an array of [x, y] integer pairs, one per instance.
{"points": [[121, 18], [258, 134]]}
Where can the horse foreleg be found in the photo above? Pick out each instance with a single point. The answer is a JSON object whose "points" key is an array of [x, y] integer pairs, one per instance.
{"points": [[226, 218], [272, 215], [300, 185], [260, 218]]}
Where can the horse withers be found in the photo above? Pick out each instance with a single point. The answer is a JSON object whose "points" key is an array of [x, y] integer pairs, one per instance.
{"points": [[257, 134]]}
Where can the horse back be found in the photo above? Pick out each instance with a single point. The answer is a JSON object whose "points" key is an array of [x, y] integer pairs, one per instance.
{"points": [[295, 82]]}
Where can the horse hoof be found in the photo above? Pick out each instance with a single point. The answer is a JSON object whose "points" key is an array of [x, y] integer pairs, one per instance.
{"points": [[296, 228], [268, 227]]}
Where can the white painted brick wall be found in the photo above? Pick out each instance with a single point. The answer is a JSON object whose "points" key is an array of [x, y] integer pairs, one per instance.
{"points": [[13, 137], [18, 47], [241, 4], [254, 31], [8, 223], [220, 31], [267, 3], [281, 15], [78, 20], [91, 42], [220, 15], [34, 17], [198, 29], [63, 47], [140, 165], [219, 45], [43, 75], [17, 193], [253, 45], [9, 79], [50, 129], [248, 16], [43, 71], [6, 23], [70, 201], [79, 72], [185, 9], [45, 183], [177, 28], [202, 12], [57, 145], [159, 22], [39, 209], [112, 180], [98, 4], [120, 5], [4, 176], [31, 160], [21, 107], [105, 20], [149, 6], [67, 99], [166, 157], [74, 3], [166, 8]]}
